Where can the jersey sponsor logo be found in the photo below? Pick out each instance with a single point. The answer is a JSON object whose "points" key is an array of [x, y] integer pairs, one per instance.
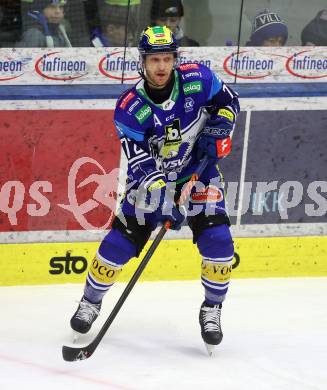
{"points": [[226, 113], [224, 147], [216, 272], [126, 99], [216, 131], [176, 165], [135, 104], [168, 105], [170, 117], [173, 139], [192, 87], [188, 105], [188, 67], [192, 74], [143, 114], [103, 272], [157, 185], [172, 164], [209, 194], [67, 264]]}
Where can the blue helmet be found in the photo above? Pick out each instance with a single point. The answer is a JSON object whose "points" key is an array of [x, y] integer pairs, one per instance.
{"points": [[157, 39]]}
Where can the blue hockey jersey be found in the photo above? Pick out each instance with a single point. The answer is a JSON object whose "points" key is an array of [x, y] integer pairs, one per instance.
{"points": [[160, 138]]}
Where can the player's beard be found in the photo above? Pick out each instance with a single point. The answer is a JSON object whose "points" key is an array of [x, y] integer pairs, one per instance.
{"points": [[153, 84]]}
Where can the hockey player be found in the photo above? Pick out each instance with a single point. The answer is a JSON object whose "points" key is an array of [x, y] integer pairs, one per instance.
{"points": [[166, 123]]}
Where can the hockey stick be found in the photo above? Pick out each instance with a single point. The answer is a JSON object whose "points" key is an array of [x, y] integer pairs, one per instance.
{"points": [[71, 354]]}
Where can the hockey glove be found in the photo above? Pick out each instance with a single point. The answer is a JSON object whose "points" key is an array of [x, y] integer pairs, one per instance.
{"points": [[159, 196], [173, 214], [215, 141]]}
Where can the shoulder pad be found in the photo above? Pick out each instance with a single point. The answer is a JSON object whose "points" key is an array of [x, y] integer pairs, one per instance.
{"points": [[125, 98], [195, 79], [132, 103], [132, 116], [194, 71]]}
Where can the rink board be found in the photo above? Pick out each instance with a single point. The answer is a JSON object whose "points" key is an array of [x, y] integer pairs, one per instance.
{"points": [[60, 188], [53, 263]]}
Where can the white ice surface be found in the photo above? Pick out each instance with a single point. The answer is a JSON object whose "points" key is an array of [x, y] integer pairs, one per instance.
{"points": [[275, 338]]}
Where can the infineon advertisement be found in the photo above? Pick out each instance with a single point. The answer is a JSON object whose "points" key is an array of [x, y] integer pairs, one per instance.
{"points": [[117, 65]]}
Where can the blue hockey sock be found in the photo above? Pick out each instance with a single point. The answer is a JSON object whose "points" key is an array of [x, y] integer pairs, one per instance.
{"points": [[216, 247], [114, 251]]}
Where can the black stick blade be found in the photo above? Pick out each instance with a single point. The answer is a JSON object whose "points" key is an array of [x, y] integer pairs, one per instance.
{"points": [[72, 354]]}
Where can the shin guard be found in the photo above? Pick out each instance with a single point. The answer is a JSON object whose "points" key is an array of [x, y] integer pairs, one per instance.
{"points": [[114, 251], [216, 247]]}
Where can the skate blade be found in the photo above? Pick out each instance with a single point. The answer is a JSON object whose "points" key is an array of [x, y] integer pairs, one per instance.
{"points": [[210, 349]]}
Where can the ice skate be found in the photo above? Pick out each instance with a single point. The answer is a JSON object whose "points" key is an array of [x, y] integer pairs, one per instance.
{"points": [[211, 332], [84, 316]]}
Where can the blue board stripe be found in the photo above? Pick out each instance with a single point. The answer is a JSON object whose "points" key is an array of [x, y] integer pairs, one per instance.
{"points": [[92, 91]]}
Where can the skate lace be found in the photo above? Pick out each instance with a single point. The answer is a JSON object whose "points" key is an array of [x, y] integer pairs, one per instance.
{"points": [[87, 311], [211, 319]]}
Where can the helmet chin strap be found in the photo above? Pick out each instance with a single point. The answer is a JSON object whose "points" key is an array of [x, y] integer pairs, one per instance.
{"points": [[141, 72]]}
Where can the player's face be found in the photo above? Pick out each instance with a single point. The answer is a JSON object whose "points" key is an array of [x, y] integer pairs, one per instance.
{"points": [[158, 68], [54, 13]]}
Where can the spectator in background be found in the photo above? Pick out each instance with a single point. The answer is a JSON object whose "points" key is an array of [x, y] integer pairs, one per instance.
{"points": [[46, 28], [268, 29], [315, 32], [169, 13], [113, 19], [10, 22]]}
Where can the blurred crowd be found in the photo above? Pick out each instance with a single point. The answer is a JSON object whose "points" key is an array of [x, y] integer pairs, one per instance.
{"points": [[114, 23]]}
